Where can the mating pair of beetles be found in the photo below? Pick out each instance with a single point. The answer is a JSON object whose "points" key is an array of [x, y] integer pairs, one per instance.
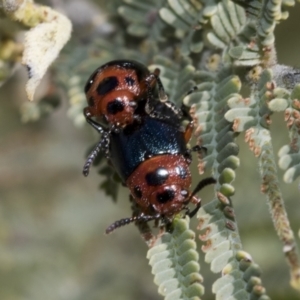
{"points": [[143, 139]]}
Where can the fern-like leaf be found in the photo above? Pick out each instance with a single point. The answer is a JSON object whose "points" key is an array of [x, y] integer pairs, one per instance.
{"points": [[264, 97], [252, 7], [182, 16], [233, 32], [174, 262], [240, 280], [143, 19], [289, 155], [207, 106], [216, 219]]}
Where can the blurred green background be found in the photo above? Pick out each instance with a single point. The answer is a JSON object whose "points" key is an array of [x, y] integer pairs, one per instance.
{"points": [[52, 219]]}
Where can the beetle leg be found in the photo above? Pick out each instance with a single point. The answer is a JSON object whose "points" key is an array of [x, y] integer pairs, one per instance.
{"points": [[197, 202], [94, 124], [161, 91], [188, 131]]}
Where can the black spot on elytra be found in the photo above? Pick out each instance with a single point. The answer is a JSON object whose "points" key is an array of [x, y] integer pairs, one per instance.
{"points": [[165, 196], [115, 106], [158, 177], [107, 84]]}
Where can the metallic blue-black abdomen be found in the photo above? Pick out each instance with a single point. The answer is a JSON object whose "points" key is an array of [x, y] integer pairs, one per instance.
{"points": [[138, 142]]}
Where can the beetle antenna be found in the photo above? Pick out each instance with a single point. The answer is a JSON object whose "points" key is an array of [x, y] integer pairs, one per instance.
{"points": [[139, 218], [102, 145], [94, 124]]}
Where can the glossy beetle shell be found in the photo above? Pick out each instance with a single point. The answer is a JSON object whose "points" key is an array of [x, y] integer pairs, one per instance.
{"points": [[160, 184], [139, 142], [115, 90]]}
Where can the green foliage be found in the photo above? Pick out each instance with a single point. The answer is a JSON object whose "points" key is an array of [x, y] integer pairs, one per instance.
{"points": [[174, 262], [142, 18], [220, 47]]}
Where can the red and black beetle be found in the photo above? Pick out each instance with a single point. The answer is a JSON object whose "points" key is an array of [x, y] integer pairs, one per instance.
{"points": [[120, 91], [153, 160], [149, 152]]}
